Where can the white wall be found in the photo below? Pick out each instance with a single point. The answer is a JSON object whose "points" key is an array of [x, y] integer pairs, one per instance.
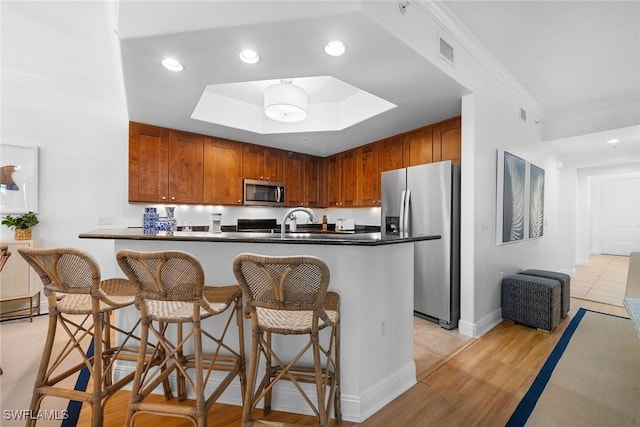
{"points": [[62, 92], [490, 121]]}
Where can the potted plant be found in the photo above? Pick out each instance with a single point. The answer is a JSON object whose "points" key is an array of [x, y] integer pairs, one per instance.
{"points": [[21, 224]]}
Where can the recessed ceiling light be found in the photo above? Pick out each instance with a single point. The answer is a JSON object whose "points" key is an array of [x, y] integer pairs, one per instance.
{"points": [[334, 48], [172, 64], [249, 56], [613, 141]]}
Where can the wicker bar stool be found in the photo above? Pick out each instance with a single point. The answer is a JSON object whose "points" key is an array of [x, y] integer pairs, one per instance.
{"points": [[288, 295], [80, 303], [4, 256], [172, 291]]}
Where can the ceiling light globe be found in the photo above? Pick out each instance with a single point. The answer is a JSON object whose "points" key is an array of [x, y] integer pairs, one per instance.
{"points": [[334, 48], [249, 56], [172, 64], [285, 102]]}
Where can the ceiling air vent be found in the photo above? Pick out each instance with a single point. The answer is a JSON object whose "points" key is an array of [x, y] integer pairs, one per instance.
{"points": [[446, 51], [523, 115]]}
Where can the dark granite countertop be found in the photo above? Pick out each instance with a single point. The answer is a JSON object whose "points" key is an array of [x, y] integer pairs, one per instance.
{"points": [[320, 238]]}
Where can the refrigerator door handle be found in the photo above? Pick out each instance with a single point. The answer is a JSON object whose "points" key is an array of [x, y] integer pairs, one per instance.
{"points": [[406, 207], [401, 219]]}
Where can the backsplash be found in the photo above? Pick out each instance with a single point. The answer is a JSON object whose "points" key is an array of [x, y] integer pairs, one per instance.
{"points": [[199, 215]]}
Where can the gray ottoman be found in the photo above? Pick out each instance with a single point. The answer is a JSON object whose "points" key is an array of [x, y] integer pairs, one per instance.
{"points": [[532, 301], [565, 285]]}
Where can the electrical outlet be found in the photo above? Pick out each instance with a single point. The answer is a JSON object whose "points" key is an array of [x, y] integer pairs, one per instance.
{"points": [[383, 327], [105, 220]]}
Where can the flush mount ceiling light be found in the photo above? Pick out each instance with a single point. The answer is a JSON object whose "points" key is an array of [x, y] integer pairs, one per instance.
{"points": [[613, 141], [249, 56], [334, 48], [172, 64], [285, 102]]}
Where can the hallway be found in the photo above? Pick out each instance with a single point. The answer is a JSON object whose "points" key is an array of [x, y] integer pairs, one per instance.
{"points": [[602, 280]]}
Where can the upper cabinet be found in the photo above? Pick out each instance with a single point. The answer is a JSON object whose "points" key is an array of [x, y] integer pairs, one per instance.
{"points": [[165, 166], [223, 172], [302, 179], [369, 175], [447, 140], [418, 147], [169, 166], [262, 163]]}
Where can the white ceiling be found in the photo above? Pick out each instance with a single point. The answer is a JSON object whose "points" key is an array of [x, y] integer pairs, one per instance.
{"points": [[565, 54]]}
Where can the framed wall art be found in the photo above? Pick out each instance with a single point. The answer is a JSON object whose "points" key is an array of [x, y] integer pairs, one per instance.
{"points": [[536, 201], [18, 179], [511, 197], [520, 199]]}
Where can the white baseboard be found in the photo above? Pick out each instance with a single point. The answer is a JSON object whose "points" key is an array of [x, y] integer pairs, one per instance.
{"points": [[287, 398], [484, 325]]}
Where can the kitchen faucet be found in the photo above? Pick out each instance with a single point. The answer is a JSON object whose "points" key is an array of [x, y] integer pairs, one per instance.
{"points": [[290, 215]]}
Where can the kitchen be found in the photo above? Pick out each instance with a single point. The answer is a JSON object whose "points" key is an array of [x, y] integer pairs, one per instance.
{"points": [[84, 146]]}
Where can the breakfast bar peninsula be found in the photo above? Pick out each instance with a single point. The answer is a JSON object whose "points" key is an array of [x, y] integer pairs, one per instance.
{"points": [[373, 275]]}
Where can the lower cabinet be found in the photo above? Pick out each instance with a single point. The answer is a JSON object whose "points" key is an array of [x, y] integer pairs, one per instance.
{"points": [[19, 284]]}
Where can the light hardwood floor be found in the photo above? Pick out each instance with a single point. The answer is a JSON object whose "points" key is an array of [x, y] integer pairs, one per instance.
{"points": [[480, 385]]}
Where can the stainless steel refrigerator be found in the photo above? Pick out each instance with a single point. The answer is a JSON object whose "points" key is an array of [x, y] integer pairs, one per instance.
{"points": [[421, 200]]}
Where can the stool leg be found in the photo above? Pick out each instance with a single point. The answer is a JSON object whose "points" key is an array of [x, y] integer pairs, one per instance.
{"points": [[337, 406], [182, 388], [140, 367], [96, 370], [269, 375], [320, 380], [36, 397], [249, 404], [242, 362]]}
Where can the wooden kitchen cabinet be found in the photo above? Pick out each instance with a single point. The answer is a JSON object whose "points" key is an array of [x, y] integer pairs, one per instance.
{"points": [[165, 166], [369, 175], [262, 163], [390, 153], [294, 179], [302, 180], [418, 147], [334, 180], [19, 283], [447, 140], [222, 171], [312, 181]]}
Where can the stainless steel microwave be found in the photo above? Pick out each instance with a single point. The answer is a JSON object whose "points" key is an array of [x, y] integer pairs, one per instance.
{"points": [[263, 193]]}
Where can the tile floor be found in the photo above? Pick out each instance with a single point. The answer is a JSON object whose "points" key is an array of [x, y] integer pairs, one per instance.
{"points": [[603, 280], [433, 345]]}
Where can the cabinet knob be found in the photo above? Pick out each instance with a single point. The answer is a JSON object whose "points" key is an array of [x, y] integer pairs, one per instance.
{"points": [[164, 197], [173, 198]]}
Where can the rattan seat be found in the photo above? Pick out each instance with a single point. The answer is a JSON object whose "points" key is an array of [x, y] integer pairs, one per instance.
{"points": [[171, 291], [288, 295], [73, 286]]}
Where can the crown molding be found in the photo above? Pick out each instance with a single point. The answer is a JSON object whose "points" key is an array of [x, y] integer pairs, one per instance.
{"points": [[449, 24]]}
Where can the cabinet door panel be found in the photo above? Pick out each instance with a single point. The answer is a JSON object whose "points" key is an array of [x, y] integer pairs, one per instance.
{"points": [[390, 152], [274, 164], [252, 162], [186, 168], [334, 180], [148, 163], [448, 139], [420, 145], [369, 176], [312, 181], [294, 179], [350, 163], [222, 172]]}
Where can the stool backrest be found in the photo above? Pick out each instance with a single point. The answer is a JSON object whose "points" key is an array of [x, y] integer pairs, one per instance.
{"points": [[4, 256], [163, 275], [66, 270], [282, 282]]}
